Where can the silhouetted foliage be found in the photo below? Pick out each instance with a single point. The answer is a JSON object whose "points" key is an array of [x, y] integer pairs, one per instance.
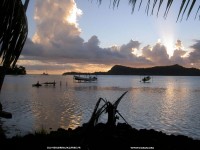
{"points": [[186, 6], [17, 70], [13, 34], [14, 30]]}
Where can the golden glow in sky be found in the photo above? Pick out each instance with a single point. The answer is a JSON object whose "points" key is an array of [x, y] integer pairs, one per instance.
{"points": [[168, 41], [74, 13]]}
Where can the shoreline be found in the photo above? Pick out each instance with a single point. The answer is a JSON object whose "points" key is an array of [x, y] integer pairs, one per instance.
{"points": [[101, 136]]}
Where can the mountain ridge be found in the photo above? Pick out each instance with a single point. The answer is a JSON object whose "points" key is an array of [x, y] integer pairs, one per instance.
{"points": [[171, 70]]}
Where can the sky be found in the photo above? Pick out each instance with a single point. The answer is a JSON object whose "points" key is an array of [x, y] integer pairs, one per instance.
{"points": [[83, 36]]}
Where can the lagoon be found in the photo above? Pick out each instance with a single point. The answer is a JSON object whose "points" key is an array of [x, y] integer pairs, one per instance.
{"points": [[169, 103]]}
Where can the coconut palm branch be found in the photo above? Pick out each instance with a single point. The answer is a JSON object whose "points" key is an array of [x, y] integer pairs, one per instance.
{"points": [[13, 33], [14, 30], [112, 110], [107, 107], [97, 112], [186, 6]]}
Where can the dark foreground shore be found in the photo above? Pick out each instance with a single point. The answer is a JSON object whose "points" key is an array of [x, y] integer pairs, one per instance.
{"points": [[121, 136]]}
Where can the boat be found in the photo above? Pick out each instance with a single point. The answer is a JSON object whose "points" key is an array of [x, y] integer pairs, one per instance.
{"points": [[45, 73], [37, 84], [85, 79], [146, 79], [5, 114]]}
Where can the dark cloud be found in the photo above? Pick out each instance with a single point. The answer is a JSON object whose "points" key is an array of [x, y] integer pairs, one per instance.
{"points": [[157, 54], [194, 56]]}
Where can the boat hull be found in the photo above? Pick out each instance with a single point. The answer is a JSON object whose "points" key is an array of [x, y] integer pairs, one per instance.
{"points": [[85, 79]]}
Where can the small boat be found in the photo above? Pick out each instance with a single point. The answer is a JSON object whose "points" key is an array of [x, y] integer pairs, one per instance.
{"points": [[85, 79], [45, 73], [146, 79], [5, 114], [37, 84]]}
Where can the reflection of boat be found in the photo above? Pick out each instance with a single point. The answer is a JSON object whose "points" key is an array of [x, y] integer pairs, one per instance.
{"points": [[50, 83], [37, 84], [85, 79], [146, 79]]}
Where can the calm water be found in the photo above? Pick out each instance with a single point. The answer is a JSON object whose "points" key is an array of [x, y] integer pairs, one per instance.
{"points": [[168, 104]]}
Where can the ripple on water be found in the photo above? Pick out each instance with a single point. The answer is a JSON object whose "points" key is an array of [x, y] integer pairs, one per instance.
{"points": [[168, 104]]}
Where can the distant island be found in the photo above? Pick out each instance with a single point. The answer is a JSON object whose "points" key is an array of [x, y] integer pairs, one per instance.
{"points": [[17, 70], [173, 70]]}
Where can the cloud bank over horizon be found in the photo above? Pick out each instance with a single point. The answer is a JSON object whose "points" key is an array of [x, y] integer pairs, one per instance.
{"points": [[58, 46]]}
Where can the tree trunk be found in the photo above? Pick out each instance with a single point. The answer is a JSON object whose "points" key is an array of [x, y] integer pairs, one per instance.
{"points": [[3, 114], [2, 76]]}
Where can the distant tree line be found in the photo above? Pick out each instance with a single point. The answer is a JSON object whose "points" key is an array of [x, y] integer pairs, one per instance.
{"points": [[16, 70]]}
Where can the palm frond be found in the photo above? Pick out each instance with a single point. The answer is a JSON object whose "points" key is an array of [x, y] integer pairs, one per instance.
{"points": [[140, 5], [160, 4], [116, 103], [132, 2], [180, 10], [197, 12], [185, 9], [192, 5], [169, 3], [147, 7], [97, 112], [154, 4], [111, 109], [14, 30], [26, 4], [185, 6]]}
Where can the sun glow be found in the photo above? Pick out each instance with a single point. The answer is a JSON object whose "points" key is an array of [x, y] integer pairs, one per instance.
{"points": [[136, 52], [74, 13], [167, 33], [169, 44]]}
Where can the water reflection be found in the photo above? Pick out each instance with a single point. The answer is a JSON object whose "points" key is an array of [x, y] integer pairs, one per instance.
{"points": [[174, 107], [168, 104]]}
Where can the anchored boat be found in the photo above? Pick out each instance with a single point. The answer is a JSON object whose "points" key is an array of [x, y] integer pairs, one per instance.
{"points": [[85, 79]]}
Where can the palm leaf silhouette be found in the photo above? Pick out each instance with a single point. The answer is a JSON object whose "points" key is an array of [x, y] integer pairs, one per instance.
{"points": [[14, 30], [151, 6], [13, 34]]}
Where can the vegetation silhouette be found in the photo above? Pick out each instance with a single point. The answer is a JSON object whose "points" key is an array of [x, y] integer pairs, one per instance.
{"points": [[13, 34], [186, 7]]}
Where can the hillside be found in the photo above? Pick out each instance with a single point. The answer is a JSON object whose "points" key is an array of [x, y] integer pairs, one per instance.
{"points": [[173, 70]]}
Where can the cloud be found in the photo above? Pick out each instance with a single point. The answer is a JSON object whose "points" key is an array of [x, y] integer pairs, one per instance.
{"points": [[178, 44], [179, 54], [156, 54], [57, 44], [195, 54]]}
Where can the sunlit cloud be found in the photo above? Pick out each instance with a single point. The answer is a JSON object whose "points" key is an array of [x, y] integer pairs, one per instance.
{"points": [[74, 13], [57, 46]]}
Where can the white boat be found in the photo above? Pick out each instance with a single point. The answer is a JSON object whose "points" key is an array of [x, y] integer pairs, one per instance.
{"points": [[85, 79]]}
